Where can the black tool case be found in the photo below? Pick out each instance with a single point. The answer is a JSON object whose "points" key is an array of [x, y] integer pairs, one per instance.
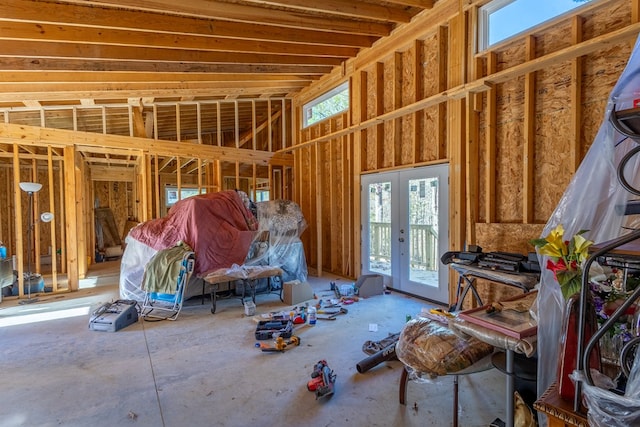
{"points": [[267, 328]]}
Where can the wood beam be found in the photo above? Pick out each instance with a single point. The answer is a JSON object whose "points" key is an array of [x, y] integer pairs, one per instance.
{"points": [[17, 204], [110, 173], [352, 8], [576, 96], [528, 161], [34, 49], [248, 71], [379, 105], [43, 32], [72, 217], [83, 14], [417, 138], [490, 145], [396, 133], [250, 14], [52, 208], [86, 141]]}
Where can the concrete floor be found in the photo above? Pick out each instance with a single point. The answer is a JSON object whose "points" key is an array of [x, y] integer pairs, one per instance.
{"points": [[203, 369]]}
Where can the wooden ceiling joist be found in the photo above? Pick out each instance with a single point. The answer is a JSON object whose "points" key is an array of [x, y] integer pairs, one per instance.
{"points": [[109, 17], [94, 36], [290, 18], [103, 52]]}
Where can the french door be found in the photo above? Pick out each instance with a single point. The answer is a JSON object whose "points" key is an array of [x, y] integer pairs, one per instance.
{"points": [[405, 229]]}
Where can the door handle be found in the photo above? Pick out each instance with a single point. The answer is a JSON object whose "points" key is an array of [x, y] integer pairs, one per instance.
{"points": [[401, 239]]}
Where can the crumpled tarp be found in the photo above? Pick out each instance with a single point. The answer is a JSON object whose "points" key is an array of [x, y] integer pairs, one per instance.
{"points": [[218, 226]]}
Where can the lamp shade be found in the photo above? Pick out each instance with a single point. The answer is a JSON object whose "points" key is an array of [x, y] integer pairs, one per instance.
{"points": [[30, 187]]}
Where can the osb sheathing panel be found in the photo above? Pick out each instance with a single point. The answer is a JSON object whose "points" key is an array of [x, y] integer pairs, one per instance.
{"points": [[512, 55], [553, 39], [335, 204], [369, 146], [307, 196], [389, 105], [507, 237], [324, 176], [600, 73], [430, 65], [430, 134], [116, 196], [553, 138], [408, 96], [613, 16], [509, 152]]}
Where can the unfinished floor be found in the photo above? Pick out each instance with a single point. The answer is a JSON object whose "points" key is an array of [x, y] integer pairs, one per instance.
{"points": [[204, 370]]}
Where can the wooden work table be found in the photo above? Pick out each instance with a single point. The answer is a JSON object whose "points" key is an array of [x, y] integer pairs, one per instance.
{"points": [[559, 412]]}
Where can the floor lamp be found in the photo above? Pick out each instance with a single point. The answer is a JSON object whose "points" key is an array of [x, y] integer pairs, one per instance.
{"points": [[30, 188]]}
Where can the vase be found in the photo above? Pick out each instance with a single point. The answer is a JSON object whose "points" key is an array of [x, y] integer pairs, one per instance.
{"points": [[568, 357]]}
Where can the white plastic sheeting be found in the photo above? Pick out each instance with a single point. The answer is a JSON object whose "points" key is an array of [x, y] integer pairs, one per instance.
{"points": [[593, 201]]}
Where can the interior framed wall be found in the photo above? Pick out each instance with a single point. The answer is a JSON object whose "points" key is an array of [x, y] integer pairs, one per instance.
{"points": [[513, 122]]}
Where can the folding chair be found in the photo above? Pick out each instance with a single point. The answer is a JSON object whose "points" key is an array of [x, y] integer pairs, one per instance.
{"points": [[165, 305]]}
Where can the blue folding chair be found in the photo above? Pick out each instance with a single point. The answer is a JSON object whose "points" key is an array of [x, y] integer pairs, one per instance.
{"points": [[165, 305]]}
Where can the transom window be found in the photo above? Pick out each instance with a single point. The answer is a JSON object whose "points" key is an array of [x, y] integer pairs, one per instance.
{"points": [[329, 104], [501, 19]]}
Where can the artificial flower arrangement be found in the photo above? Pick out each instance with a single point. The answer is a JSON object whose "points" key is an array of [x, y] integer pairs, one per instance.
{"points": [[609, 292], [565, 258]]}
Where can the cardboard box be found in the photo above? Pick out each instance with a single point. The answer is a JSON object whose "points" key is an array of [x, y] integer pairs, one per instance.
{"points": [[295, 292], [369, 285]]}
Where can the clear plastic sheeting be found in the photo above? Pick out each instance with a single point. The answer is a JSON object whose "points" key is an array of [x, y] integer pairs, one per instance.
{"points": [[276, 243], [282, 221], [595, 201], [135, 257], [608, 409], [526, 345], [429, 347]]}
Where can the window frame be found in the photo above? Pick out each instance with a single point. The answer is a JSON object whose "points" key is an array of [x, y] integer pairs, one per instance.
{"points": [[485, 11], [344, 86]]}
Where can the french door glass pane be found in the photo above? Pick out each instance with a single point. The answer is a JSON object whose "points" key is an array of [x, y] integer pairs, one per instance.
{"points": [[380, 227], [423, 231]]}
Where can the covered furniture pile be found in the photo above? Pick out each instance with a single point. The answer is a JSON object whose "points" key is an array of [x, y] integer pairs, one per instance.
{"points": [[225, 233]]}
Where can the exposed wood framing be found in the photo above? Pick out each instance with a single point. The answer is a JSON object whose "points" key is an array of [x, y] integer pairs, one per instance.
{"points": [[490, 146], [529, 134], [576, 95], [18, 217], [72, 217]]}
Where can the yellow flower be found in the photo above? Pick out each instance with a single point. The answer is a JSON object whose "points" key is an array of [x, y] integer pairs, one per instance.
{"points": [[581, 247], [553, 245], [565, 258]]}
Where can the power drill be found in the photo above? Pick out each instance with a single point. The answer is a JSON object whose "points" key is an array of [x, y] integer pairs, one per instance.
{"points": [[280, 344]]}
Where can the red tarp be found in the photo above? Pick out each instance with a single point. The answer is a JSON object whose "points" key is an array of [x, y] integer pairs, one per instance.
{"points": [[217, 226]]}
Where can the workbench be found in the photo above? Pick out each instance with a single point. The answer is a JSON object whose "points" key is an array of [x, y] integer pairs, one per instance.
{"points": [[248, 275], [468, 273]]}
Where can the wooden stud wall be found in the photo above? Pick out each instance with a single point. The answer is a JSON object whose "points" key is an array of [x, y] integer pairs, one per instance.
{"points": [[73, 184], [513, 122]]}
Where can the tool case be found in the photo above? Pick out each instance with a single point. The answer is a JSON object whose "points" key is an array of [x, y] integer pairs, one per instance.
{"points": [[267, 328], [112, 317]]}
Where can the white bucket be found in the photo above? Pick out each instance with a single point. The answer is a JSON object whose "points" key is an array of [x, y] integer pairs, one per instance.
{"points": [[249, 308]]}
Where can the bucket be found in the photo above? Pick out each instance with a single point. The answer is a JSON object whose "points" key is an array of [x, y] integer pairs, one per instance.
{"points": [[249, 308]]}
